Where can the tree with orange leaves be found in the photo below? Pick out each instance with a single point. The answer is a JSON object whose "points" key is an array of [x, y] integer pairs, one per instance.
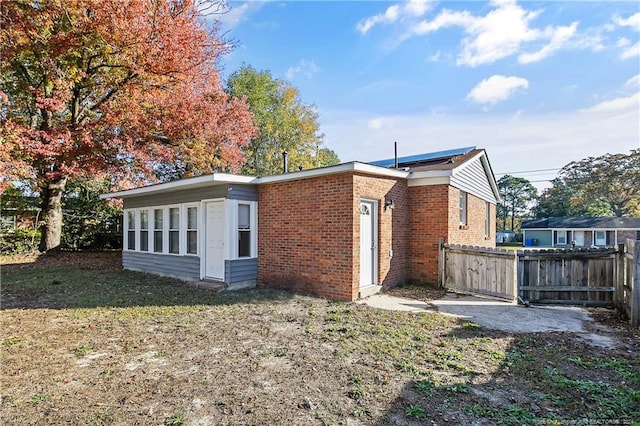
{"points": [[94, 88]]}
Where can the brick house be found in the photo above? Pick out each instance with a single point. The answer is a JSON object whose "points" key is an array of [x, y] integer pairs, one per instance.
{"points": [[580, 231], [340, 232]]}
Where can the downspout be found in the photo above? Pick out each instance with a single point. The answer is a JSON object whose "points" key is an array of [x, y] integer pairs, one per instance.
{"points": [[285, 162]]}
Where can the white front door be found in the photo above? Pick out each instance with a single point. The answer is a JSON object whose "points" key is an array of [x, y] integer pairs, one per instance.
{"points": [[578, 237], [214, 260], [368, 250], [601, 238]]}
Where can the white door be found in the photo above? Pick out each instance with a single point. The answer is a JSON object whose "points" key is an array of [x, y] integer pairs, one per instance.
{"points": [[368, 251], [601, 238], [214, 260]]}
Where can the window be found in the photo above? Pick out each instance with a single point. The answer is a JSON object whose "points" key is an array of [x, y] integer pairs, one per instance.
{"points": [[192, 230], [487, 219], [601, 238], [157, 230], [144, 230], [463, 208], [561, 238], [174, 230], [244, 230], [131, 230]]}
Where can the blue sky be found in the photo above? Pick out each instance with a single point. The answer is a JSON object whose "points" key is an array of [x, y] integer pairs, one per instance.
{"points": [[537, 84]]}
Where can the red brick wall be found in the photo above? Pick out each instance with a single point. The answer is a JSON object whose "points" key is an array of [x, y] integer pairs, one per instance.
{"points": [[436, 214], [305, 236], [309, 233], [429, 206], [393, 230], [474, 233]]}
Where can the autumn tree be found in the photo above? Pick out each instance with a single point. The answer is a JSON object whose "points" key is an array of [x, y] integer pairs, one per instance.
{"points": [[94, 88], [283, 121], [595, 186], [518, 196]]}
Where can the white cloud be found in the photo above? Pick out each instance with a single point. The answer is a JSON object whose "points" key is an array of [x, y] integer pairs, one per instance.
{"points": [[435, 57], [496, 88], [505, 30], [238, 14], [632, 21], [559, 38], [623, 103], [413, 8], [631, 51], [304, 67], [633, 82]]}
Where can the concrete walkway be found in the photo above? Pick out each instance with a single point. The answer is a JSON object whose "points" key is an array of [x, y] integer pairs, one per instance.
{"points": [[499, 315]]}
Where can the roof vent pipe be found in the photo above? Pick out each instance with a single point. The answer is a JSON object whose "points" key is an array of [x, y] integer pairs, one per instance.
{"points": [[395, 155], [285, 162]]}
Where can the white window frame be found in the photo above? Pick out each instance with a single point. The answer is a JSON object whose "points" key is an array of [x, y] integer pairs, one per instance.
{"points": [[152, 248], [125, 237], [564, 233], [167, 229], [487, 219], [234, 229], [464, 208], [184, 229], [139, 230]]}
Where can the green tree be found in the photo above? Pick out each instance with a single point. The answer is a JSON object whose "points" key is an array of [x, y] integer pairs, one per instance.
{"points": [[595, 186], [283, 121], [518, 195]]}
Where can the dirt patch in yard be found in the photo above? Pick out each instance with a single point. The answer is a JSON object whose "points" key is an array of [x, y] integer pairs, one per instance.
{"points": [[107, 346]]}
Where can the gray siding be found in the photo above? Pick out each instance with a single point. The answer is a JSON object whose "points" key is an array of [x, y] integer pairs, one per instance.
{"points": [[240, 270], [474, 180], [170, 265], [243, 192], [176, 197], [543, 236]]}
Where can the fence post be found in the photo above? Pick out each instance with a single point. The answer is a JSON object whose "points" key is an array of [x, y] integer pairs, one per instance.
{"points": [[441, 262], [618, 295], [515, 286], [635, 291]]}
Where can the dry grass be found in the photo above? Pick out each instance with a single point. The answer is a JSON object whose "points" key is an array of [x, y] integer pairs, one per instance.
{"points": [[89, 344]]}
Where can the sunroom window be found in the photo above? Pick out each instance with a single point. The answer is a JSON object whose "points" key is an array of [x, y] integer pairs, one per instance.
{"points": [[157, 230], [244, 230], [174, 230], [131, 230], [144, 230], [192, 230]]}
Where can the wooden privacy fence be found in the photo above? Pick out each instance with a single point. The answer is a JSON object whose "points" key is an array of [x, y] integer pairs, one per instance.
{"points": [[587, 277], [627, 293], [476, 270]]}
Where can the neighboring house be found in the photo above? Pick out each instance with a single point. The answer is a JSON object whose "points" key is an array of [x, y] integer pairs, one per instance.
{"points": [[340, 232], [18, 213], [581, 231]]}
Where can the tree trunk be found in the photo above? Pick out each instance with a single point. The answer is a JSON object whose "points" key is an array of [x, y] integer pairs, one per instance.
{"points": [[51, 228]]}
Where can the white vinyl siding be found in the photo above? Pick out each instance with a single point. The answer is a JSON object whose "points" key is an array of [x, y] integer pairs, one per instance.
{"points": [[472, 178]]}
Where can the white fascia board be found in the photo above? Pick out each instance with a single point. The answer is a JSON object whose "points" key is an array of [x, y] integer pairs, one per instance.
{"points": [[206, 180], [429, 181], [331, 170]]}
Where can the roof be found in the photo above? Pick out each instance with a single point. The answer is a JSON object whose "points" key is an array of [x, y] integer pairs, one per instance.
{"points": [[582, 222], [423, 169], [438, 157]]}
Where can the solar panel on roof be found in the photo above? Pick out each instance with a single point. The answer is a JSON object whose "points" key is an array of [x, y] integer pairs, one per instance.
{"points": [[423, 157]]}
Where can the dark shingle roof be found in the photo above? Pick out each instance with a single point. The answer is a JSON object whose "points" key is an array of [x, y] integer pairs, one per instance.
{"points": [[581, 222]]}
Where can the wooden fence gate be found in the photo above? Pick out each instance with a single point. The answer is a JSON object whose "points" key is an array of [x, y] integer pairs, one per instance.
{"points": [[586, 277]]}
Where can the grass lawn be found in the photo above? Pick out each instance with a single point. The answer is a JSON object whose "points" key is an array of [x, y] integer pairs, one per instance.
{"points": [[84, 342]]}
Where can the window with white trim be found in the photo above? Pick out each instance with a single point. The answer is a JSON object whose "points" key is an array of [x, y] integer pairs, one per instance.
{"points": [[174, 230], [463, 208], [487, 219], [158, 219], [192, 230], [561, 239], [244, 230], [144, 230], [131, 230]]}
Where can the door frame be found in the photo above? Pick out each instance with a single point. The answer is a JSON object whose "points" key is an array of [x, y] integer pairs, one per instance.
{"points": [[204, 225], [374, 205]]}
